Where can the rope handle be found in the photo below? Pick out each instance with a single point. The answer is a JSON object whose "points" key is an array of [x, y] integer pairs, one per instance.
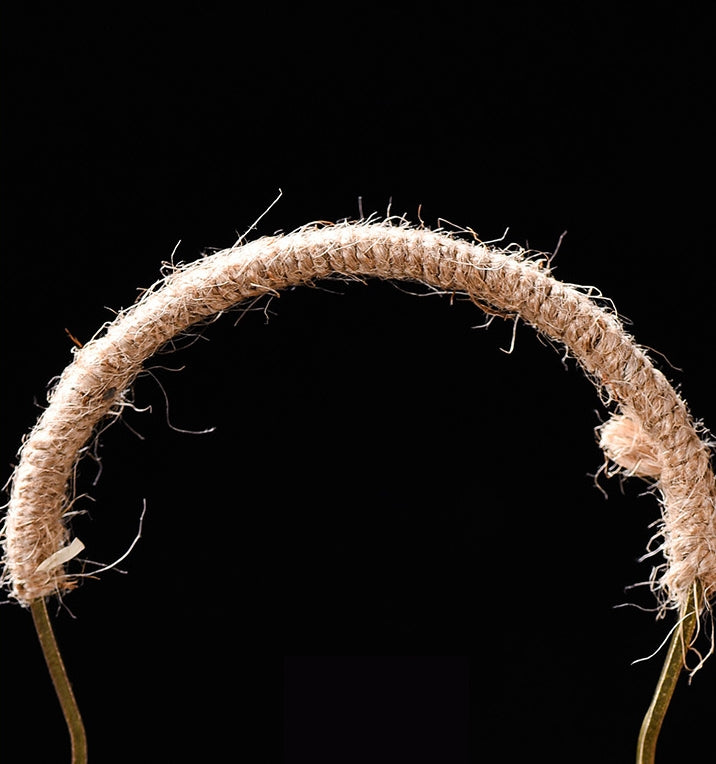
{"points": [[651, 433]]}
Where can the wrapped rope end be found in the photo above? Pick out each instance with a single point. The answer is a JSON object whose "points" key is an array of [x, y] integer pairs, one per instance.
{"points": [[624, 441]]}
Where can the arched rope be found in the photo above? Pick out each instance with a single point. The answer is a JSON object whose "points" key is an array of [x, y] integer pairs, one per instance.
{"points": [[651, 433]]}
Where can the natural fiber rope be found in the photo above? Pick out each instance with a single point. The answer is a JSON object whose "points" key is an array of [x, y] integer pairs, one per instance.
{"points": [[651, 434]]}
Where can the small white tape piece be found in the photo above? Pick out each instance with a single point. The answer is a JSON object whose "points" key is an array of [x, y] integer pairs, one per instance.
{"points": [[61, 556]]}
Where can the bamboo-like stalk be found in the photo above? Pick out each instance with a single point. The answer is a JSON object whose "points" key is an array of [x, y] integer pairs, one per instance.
{"points": [[673, 664], [60, 680]]}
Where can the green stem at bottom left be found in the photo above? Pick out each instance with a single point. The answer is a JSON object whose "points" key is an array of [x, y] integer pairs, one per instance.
{"points": [[60, 680]]}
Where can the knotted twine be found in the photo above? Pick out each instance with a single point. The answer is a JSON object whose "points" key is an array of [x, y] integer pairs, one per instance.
{"points": [[651, 433]]}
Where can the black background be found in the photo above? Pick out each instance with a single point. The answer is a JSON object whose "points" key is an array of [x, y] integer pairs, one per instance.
{"points": [[383, 480]]}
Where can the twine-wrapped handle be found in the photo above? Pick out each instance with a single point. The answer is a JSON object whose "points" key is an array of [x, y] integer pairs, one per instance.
{"points": [[652, 434]]}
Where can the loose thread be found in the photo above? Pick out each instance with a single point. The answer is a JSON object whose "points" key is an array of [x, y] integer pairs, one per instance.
{"points": [[60, 680]]}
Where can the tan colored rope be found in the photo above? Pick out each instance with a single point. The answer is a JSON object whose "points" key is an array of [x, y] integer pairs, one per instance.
{"points": [[651, 435]]}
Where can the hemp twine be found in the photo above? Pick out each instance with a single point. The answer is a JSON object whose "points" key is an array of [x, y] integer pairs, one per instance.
{"points": [[651, 433]]}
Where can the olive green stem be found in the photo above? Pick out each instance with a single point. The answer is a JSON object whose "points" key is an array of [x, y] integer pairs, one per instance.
{"points": [[674, 662], [58, 673]]}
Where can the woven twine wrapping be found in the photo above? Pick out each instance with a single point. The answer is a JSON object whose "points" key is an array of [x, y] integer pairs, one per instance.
{"points": [[651, 433]]}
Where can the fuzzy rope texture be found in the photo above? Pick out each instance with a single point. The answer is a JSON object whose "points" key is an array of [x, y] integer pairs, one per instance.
{"points": [[651, 433]]}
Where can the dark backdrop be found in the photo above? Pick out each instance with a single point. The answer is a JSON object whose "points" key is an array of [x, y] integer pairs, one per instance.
{"points": [[383, 481]]}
